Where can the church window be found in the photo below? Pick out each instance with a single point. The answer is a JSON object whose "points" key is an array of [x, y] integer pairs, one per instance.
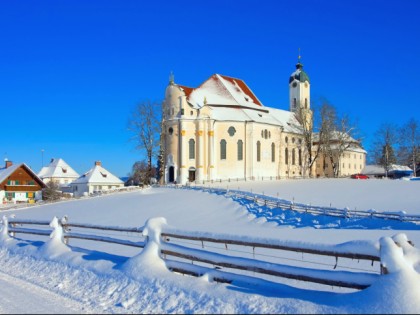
{"points": [[294, 102], [306, 103], [262, 133], [231, 131], [240, 150], [191, 145], [171, 130], [293, 140], [286, 139], [223, 149], [258, 151], [265, 134], [293, 156], [191, 113], [273, 152], [300, 157], [286, 156]]}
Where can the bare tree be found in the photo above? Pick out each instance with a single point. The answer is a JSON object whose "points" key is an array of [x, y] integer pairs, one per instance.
{"points": [[409, 144], [306, 129], [335, 136], [384, 144], [144, 124], [52, 191]]}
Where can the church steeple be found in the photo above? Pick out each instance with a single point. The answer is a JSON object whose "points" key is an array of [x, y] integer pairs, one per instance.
{"points": [[299, 95], [299, 88]]}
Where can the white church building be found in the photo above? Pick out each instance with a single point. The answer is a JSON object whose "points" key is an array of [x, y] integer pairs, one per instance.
{"points": [[222, 131]]}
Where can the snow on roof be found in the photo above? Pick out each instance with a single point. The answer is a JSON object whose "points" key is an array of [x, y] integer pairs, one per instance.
{"points": [[379, 169], [58, 168], [223, 90], [98, 174], [277, 117], [6, 172]]}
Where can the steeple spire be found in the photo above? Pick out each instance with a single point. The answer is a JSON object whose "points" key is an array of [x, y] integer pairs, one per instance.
{"points": [[299, 65]]}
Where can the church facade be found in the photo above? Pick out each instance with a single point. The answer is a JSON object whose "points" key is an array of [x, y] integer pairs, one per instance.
{"points": [[221, 131]]}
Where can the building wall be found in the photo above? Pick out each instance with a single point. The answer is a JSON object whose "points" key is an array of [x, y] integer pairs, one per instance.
{"points": [[351, 162]]}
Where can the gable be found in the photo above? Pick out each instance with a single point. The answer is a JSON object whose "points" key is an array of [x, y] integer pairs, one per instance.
{"points": [[20, 174]]}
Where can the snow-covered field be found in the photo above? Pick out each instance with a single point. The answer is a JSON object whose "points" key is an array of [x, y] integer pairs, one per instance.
{"points": [[99, 278]]}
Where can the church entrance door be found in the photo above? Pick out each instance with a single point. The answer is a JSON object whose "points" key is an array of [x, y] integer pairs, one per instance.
{"points": [[171, 174]]}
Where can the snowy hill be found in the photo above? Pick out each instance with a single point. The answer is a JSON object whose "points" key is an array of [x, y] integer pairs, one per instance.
{"points": [[97, 278]]}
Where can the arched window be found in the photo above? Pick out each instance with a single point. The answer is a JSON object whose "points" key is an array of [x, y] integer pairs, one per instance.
{"points": [[286, 156], [294, 102], [240, 150], [258, 151], [300, 157], [273, 152], [306, 103], [265, 134], [286, 139], [191, 144], [223, 149], [293, 156]]}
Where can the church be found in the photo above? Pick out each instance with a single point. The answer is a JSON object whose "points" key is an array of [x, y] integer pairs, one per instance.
{"points": [[220, 130]]}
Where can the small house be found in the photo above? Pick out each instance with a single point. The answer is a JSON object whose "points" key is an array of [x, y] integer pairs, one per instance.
{"points": [[59, 172], [96, 180], [19, 184]]}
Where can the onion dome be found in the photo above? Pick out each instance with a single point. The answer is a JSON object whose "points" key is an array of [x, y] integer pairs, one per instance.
{"points": [[299, 74]]}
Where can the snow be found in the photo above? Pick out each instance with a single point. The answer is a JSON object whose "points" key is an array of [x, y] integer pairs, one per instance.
{"points": [[98, 174], [41, 274]]}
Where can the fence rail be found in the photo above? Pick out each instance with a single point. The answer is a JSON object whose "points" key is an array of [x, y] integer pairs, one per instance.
{"points": [[195, 260], [273, 202]]}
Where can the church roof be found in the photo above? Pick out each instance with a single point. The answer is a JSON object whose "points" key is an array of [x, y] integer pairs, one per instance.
{"points": [[222, 90], [230, 99], [99, 175], [299, 74], [57, 168]]}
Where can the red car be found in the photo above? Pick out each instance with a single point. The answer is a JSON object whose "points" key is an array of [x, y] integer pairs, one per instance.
{"points": [[359, 176]]}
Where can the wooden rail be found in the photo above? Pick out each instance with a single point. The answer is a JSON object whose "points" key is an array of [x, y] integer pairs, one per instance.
{"points": [[273, 202], [173, 248]]}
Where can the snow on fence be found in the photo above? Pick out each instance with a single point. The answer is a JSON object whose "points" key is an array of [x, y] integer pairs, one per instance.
{"points": [[274, 202], [222, 256]]}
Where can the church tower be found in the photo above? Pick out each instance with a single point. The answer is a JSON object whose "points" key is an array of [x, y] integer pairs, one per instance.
{"points": [[299, 95]]}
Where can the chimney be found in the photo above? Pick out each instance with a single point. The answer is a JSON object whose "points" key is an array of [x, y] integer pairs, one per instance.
{"points": [[9, 163], [98, 163]]}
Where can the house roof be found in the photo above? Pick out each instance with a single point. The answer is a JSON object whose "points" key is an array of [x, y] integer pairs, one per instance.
{"points": [[58, 168], [6, 172], [99, 175], [374, 169]]}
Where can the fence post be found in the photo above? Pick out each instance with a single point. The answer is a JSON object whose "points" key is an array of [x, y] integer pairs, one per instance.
{"points": [[5, 231], [63, 222]]}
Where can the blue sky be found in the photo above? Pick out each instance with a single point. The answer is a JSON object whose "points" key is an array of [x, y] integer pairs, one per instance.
{"points": [[72, 71]]}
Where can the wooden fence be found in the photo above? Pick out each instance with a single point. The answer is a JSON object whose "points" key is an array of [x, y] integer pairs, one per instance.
{"points": [[273, 202], [223, 257]]}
